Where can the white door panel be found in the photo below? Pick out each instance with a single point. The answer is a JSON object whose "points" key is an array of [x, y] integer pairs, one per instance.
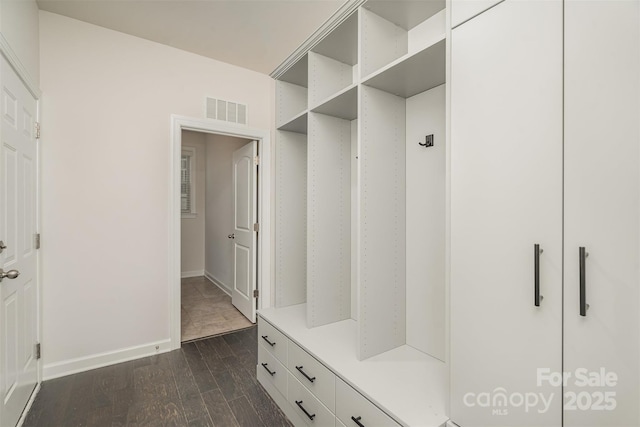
{"points": [[462, 10], [18, 297], [602, 158], [506, 196], [244, 237]]}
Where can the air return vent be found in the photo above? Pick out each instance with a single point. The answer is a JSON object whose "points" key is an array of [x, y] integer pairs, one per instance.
{"points": [[228, 111]]}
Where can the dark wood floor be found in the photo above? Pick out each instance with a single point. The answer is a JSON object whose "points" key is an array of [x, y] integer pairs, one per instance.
{"points": [[206, 383]]}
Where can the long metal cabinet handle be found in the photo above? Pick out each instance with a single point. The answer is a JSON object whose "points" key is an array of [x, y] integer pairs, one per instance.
{"points": [[357, 421], [299, 403], [299, 368], [536, 275], [266, 338], [265, 366], [583, 281]]}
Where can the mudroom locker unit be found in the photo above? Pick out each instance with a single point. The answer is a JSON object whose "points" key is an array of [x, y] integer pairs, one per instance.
{"points": [[457, 217]]}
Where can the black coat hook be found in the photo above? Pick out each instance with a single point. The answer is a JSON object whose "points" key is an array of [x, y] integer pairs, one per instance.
{"points": [[428, 141]]}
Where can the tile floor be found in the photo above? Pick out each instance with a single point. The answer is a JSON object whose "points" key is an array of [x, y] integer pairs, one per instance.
{"points": [[207, 310]]}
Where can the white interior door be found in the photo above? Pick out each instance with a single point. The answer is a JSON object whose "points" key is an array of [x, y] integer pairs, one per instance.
{"points": [[18, 296], [602, 212], [506, 197], [244, 237]]}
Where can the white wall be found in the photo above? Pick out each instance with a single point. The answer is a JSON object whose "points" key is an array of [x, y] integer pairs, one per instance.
{"points": [[192, 229], [19, 27], [106, 137], [219, 208], [426, 226]]}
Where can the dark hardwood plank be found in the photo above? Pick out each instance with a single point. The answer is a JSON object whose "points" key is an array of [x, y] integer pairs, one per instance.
{"points": [[219, 409], [184, 378], [51, 402], [265, 407], [203, 377], [212, 359], [235, 343], [244, 413], [209, 383], [201, 422], [221, 346], [101, 416], [250, 339], [122, 401], [81, 400], [154, 383], [155, 413], [228, 386]]}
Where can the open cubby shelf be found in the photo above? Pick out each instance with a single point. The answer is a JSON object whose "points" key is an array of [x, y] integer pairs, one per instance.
{"points": [[359, 135], [413, 73], [353, 189], [343, 105], [298, 124]]}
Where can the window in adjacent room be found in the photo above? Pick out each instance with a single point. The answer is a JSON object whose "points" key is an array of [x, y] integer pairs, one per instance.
{"points": [[187, 182]]}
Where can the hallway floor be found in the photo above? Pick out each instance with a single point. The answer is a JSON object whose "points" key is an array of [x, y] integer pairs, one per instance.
{"points": [[207, 311], [206, 383]]}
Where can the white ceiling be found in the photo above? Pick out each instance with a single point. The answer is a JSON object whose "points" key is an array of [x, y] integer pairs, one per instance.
{"points": [[254, 34]]}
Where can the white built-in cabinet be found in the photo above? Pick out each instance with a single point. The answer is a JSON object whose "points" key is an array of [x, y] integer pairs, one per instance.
{"points": [[415, 285], [545, 187], [360, 213]]}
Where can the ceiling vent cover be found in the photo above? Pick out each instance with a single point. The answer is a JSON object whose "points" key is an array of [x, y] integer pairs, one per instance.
{"points": [[227, 111]]}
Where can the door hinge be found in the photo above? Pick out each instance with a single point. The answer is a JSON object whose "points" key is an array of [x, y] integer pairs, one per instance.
{"points": [[256, 293], [256, 227], [37, 240], [256, 160], [38, 351], [37, 130]]}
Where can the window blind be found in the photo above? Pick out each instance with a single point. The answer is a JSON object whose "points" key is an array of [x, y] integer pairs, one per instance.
{"points": [[185, 184]]}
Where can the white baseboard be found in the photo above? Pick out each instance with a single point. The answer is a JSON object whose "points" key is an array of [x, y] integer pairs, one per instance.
{"points": [[195, 273], [218, 283], [81, 364]]}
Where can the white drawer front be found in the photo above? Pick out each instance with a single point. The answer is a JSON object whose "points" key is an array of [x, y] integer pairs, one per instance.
{"points": [[316, 413], [353, 408], [273, 340], [313, 375], [275, 372]]}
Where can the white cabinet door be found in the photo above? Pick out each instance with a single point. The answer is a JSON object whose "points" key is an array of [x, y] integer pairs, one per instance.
{"points": [[602, 159], [463, 10], [506, 197]]}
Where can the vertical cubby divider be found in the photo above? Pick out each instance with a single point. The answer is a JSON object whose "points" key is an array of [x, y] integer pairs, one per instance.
{"points": [[329, 214]]}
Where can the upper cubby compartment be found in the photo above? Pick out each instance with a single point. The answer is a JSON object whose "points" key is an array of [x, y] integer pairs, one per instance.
{"points": [[333, 63], [394, 31], [291, 95], [344, 105], [414, 74]]}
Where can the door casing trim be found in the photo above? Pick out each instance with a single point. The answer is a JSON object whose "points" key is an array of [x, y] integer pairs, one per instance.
{"points": [[263, 275]]}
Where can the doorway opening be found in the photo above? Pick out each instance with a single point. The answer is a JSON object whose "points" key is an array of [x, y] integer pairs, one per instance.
{"points": [[219, 249], [216, 213]]}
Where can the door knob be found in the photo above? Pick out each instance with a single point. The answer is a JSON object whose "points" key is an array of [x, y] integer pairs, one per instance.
{"points": [[2, 246], [11, 274], [231, 236]]}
